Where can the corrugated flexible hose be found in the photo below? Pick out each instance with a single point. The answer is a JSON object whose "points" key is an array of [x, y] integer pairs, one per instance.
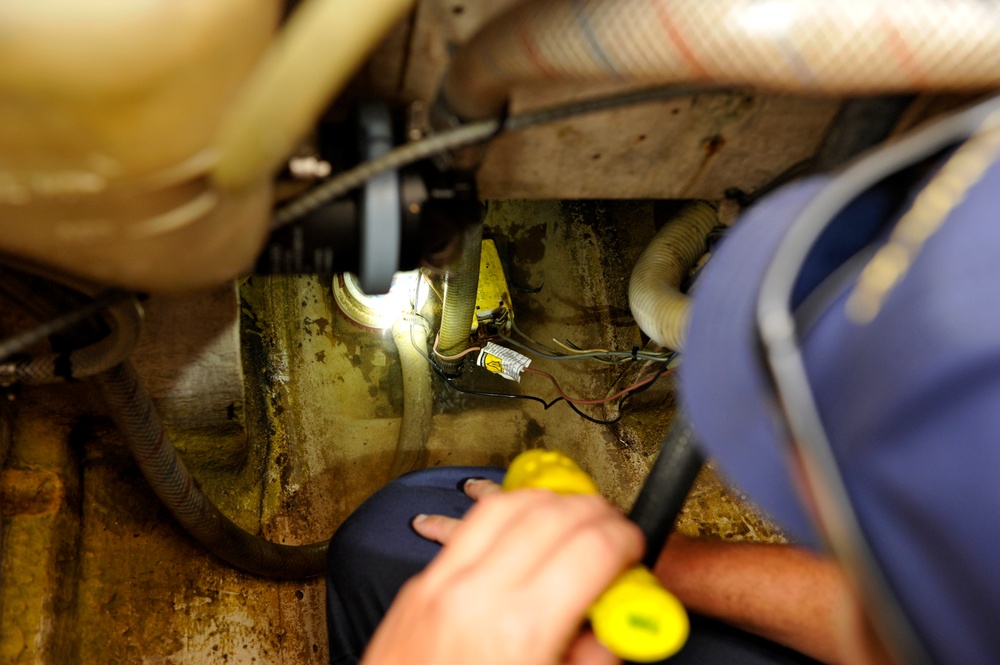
{"points": [[841, 47], [461, 285], [654, 296], [136, 417], [125, 321]]}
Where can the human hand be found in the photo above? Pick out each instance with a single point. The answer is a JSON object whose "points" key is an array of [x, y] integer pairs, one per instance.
{"points": [[512, 584]]}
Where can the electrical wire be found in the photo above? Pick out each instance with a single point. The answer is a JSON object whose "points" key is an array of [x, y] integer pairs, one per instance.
{"points": [[600, 421], [602, 355], [461, 137], [449, 381], [430, 285], [624, 394], [21, 341], [621, 405], [645, 355], [528, 338], [611, 357], [395, 159], [545, 405], [574, 350], [471, 349], [592, 402]]}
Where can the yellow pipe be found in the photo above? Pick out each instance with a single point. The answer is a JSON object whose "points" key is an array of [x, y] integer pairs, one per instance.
{"points": [[323, 46]]}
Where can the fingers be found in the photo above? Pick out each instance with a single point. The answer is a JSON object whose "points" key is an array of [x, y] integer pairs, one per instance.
{"points": [[514, 582], [584, 566], [441, 528], [480, 531], [549, 523], [479, 488], [586, 650], [438, 528]]}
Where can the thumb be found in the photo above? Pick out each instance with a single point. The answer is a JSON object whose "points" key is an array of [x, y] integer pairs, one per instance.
{"points": [[586, 650], [438, 528]]}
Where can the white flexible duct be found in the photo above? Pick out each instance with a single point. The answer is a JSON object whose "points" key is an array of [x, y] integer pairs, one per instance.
{"points": [[835, 46], [654, 296], [415, 425]]}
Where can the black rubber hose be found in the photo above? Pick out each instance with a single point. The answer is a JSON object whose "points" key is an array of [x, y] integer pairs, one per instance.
{"points": [[667, 486], [135, 415], [125, 317], [21, 341]]}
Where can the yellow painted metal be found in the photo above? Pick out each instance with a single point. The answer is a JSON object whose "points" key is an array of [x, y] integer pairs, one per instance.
{"points": [[493, 304]]}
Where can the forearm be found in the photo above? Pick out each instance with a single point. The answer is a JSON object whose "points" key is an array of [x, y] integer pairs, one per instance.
{"points": [[779, 592]]}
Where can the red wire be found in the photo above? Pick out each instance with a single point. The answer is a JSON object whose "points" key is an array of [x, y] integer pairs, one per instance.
{"points": [[457, 356], [574, 400]]}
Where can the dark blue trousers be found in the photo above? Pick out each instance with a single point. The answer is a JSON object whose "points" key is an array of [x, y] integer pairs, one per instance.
{"points": [[375, 551]]}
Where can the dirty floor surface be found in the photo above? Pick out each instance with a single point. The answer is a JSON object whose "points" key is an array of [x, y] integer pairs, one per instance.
{"points": [[95, 570]]}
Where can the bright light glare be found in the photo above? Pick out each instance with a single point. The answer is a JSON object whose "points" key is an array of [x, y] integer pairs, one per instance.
{"points": [[771, 17], [385, 310]]}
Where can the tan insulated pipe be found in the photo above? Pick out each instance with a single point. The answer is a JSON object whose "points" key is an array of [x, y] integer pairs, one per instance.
{"points": [[834, 46], [461, 286], [418, 398], [310, 62], [654, 296]]}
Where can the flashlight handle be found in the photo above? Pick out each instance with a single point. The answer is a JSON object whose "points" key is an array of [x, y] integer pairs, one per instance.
{"points": [[635, 618]]}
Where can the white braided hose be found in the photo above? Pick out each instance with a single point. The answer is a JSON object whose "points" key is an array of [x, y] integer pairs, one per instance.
{"points": [[834, 46], [654, 295]]}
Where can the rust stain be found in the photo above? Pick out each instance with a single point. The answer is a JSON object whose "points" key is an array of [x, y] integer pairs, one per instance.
{"points": [[30, 493], [712, 146]]}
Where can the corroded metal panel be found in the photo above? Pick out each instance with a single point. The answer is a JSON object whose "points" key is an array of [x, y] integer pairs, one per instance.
{"points": [[692, 147]]}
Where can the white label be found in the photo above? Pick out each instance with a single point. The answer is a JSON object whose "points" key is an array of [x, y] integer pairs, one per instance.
{"points": [[503, 361]]}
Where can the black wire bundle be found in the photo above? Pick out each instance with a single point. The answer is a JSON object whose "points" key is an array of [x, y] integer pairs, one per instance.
{"points": [[546, 405]]}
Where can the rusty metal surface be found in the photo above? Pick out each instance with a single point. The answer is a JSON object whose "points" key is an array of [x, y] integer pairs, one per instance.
{"points": [[41, 530], [29, 492], [715, 510], [189, 359], [694, 147], [690, 147]]}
